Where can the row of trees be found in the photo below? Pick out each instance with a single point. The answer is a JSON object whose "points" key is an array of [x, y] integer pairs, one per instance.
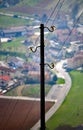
{"points": [[29, 80], [5, 3]]}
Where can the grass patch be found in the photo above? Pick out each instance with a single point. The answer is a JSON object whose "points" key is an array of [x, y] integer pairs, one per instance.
{"points": [[29, 2], [14, 48], [6, 21], [14, 44], [60, 81], [28, 90], [11, 93], [71, 111]]}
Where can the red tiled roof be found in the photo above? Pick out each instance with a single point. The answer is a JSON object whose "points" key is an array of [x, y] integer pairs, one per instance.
{"points": [[6, 69], [4, 77]]}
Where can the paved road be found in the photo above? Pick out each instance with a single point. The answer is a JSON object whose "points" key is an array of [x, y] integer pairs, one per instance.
{"points": [[57, 93], [18, 16]]}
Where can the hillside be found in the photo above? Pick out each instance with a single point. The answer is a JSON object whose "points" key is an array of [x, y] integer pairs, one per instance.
{"points": [[7, 3], [67, 4], [41, 7]]}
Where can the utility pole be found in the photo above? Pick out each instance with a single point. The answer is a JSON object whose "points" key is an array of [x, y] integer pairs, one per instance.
{"points": [[42, 79], [42, 74]]}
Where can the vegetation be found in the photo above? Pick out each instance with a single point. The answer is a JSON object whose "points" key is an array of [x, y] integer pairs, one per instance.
{"points": [[7, 21], [28, 90], [15, 44], [29, 2], [14, 2], [11, 93], [71, 111], [13, 48], [60, 81]]}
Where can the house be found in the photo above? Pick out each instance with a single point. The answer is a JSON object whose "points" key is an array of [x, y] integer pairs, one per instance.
{"points": [[35, 75], [12, 32], [16, 31], [15, 62], [62, 34], [31, 66], [4, 74], [5, 40], [80, 29], [5, 68], [76, 61]]}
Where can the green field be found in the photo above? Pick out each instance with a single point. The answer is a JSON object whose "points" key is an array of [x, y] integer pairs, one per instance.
{"points": [[6, 21], [15, 44], [13, 48], [29, 2], [71, 111], [28, 90]]}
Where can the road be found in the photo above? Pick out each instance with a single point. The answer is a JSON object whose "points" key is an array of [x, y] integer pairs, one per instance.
{"points": [[16, 16], [57, 93]]}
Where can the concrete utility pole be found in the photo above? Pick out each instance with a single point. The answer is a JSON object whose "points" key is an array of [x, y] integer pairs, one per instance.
{"points": [[42, 76], [42, 79]]}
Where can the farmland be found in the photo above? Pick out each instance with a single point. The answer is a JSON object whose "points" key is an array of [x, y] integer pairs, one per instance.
{"points": [[71, 111], [17, 114], [7, 21], [28, 90]]}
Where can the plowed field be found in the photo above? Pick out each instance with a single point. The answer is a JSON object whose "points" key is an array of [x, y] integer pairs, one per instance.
{"points": [[17, 114]]}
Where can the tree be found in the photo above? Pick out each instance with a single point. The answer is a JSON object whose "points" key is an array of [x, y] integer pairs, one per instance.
{"points": [[54, 78], [44, 18]]}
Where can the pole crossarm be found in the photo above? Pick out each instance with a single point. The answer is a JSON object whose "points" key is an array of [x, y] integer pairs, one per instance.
{"points": [[51, 66], [34, 49], [51, 29]]}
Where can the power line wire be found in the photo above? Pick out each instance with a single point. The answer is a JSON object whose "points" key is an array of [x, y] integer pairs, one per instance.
{"points": [[61, 4], [49, 18], [69, 34], [53, 12], [58, 11]]}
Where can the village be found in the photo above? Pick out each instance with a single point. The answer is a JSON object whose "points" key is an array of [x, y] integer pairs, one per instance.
{"points": [[29, 98], [16, 70]]}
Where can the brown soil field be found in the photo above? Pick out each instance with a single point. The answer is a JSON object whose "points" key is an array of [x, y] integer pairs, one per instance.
{"points": [[18, 114], [28, 10], [39, 9]]}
